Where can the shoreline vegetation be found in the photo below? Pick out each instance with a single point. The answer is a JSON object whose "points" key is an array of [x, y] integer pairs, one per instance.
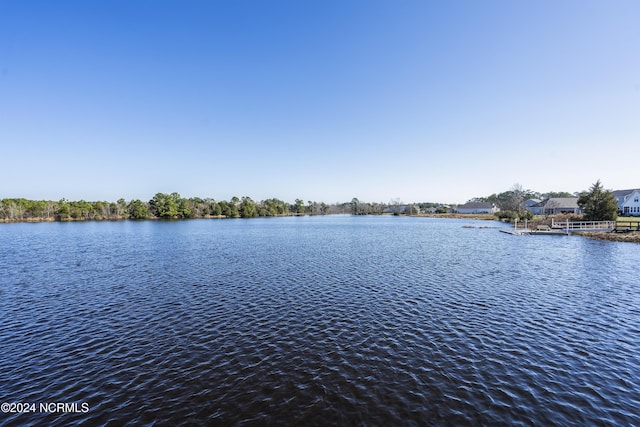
{"points": [[174, 207]]}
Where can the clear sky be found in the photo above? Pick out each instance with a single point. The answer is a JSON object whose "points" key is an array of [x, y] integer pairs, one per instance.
{"points": [[321, 100]]}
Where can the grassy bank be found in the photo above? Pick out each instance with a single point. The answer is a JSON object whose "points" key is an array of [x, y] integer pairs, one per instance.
{"points": [[631, 237]]}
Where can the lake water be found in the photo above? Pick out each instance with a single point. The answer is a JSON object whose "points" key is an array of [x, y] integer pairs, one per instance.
{"points": [[334, 320]]}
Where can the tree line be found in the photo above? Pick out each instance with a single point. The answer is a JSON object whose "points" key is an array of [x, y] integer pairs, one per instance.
{"points": [[595, 203], [174, 206], [162, 205]]}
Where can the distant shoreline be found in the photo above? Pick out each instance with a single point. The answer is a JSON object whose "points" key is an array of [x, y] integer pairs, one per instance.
{"points": [[38, 220], [482, 217], [630, 237]]}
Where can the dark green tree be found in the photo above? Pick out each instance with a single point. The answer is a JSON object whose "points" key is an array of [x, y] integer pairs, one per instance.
{"points": [[121, 206], [215, 209], [232, 212], [229, 210], [248, 208], [299, 206], [137, 209], [355, 206], [312, 207], [275, 207], [269, 207], [185, 208], [598, 204], [36, 208], [64, 210], [165, 205]]}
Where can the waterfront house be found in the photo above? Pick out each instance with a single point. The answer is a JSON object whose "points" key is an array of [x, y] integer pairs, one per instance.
{"points": [[622, 196], [532, 206], [631, 204], [478, 208], [556, 205]]}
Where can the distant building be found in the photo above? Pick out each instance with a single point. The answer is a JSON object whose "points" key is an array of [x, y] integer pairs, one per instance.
{"points": [[531, 206], [622, 196], [478, 208], [631, 204], [555, 205]]}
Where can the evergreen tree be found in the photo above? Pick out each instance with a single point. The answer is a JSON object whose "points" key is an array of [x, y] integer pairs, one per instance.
{"points": [[598, 204]]}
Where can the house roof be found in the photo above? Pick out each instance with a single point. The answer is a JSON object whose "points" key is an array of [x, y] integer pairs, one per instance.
{"points": [[627, 201], [559, 203], [622, 193], [477, 205]]}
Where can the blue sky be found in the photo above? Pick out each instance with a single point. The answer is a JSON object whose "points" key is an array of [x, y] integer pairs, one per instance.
{"points": [[318, 100]]}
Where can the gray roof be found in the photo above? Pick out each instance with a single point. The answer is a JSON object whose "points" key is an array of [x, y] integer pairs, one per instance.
{"points": [[559, 203], [622, 193], [477, 205]]}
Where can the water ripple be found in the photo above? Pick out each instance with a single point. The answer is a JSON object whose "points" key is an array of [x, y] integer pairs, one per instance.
{"points": [[316, 321]]}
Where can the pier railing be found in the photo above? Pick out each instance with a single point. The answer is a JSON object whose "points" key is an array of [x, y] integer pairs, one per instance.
{"points": [[623, 226], [576, 226], [571, 226]]}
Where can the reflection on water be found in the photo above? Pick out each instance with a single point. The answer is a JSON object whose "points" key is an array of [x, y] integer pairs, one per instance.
{"points": [[316, 321]]}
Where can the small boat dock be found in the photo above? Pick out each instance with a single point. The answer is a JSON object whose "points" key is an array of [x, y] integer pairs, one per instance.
{"points": [[563, 228]]}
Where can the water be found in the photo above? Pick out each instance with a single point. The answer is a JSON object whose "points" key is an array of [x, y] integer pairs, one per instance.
{"points": [[316, 321]]}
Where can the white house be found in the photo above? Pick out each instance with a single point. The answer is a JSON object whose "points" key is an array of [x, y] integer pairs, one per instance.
{"points": [[631, 204], [621, 197], [478, 208]]}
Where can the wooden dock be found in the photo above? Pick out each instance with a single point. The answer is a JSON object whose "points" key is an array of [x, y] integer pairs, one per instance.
{"points": [[565, 228], [583, 226], [528, 232]]}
